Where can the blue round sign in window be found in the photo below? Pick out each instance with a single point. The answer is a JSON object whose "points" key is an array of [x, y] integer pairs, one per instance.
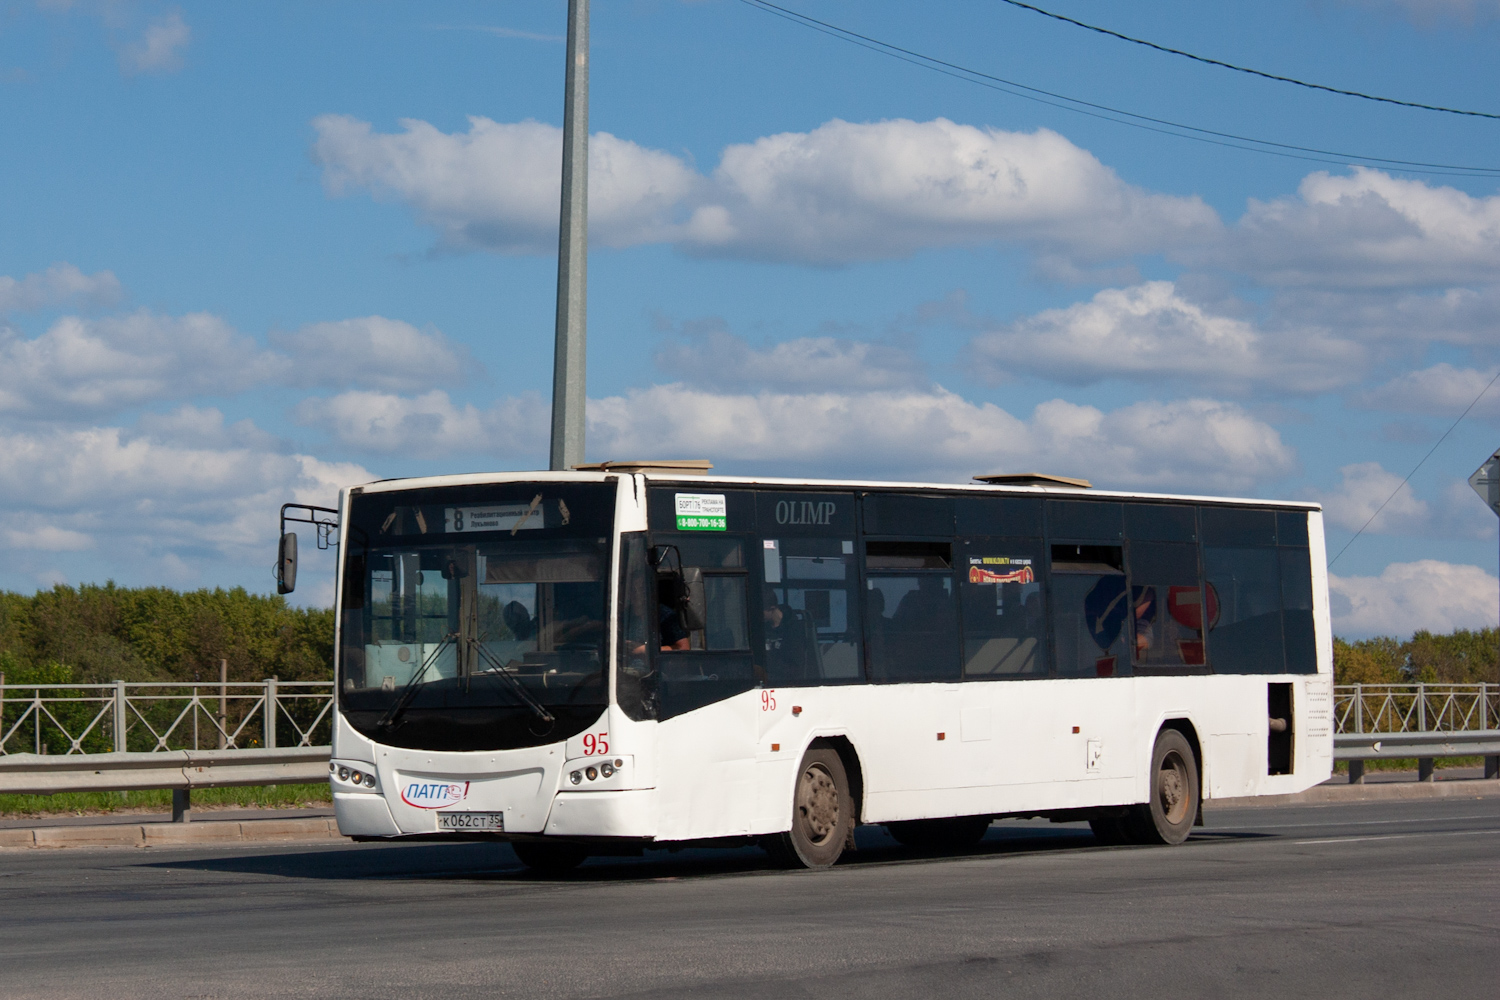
{"points": [[1104, 610]]}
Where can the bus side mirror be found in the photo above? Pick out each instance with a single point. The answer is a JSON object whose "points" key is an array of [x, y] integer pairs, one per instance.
{"points": [[286, 563], [693, 607]]}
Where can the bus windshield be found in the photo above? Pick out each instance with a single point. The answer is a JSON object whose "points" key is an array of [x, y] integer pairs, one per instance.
{"points": [[474, 619]]}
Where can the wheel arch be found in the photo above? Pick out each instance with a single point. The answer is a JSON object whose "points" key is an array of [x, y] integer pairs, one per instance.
{"points": [[853, 770]]}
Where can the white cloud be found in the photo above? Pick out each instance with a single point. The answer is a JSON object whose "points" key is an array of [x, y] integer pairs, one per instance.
{"points": [[498, 186], [1198, 445], [81, 368], [845, 192], [374, 352], [159, 48], [1365, 230], [429, 424], [132, 493], [1441, 390], [1151, 333], [48, 538], [716, 358], [60, 284], [1405, 597], [842, 192], [1364, 486]]}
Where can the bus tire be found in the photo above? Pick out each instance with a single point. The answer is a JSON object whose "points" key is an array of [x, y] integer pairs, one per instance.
{"points": [[1167, 818], [551, 859], [822, 814], [956, 834]]}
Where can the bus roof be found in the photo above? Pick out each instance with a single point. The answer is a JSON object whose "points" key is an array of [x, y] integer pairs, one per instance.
{"points": [[698, 481]]}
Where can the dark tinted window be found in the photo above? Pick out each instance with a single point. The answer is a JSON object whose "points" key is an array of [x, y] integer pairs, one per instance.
{"points": [[717, 663], [1090, 611], [1004, 627], [1291, 527], [1166, 605], [1296, 614], [908, 555], [1159, 522], [1084, 519], [904, 514], [1244, 588], [999, 515], [810, 611], [1228, 526]]}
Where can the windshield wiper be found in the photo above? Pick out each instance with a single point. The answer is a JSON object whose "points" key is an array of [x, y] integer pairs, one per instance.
{"points": [[515, 683], [394, 713]]}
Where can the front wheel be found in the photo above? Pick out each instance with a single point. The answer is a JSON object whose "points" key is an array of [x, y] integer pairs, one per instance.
{"points": [[822, 814], [1168, 817]]}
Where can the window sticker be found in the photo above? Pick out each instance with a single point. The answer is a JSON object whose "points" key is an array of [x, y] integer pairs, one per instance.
{"points": [[509, 517], [702, 512], [1000, 569]]}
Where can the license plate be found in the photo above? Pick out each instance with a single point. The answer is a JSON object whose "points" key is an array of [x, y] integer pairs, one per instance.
{"points": [[471, 821]]}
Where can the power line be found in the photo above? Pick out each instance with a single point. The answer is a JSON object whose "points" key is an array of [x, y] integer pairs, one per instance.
{"points": [[1413, 472], [1105, 112], [1247, 69]]}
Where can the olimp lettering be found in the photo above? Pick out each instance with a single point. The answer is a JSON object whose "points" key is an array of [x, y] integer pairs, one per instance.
{"points": [[805, 512]]}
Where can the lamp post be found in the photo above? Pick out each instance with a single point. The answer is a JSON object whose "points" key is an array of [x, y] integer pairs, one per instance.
{"points": [[569, 387]]}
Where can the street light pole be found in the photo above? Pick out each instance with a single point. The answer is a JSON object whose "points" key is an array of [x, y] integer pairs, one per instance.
{"points": [[568, 383]]}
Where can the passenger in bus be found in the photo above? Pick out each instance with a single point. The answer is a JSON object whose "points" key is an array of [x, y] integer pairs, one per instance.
{"points": [[791, 640], [674, 635], [519, 621], [923, 609]]}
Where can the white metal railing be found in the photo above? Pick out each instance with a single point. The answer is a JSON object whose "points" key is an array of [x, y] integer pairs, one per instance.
{"points": [[154, 717], [1415, 708]]}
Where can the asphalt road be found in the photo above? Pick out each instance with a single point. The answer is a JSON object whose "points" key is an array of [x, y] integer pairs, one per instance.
{"points": [[1368, 900]]}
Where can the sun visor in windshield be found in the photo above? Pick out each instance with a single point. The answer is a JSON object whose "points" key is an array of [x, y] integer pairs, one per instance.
{"points": [[581, 567]]}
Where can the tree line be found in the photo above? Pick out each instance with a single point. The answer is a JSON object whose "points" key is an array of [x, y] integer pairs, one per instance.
{"points": [[94, 634]]}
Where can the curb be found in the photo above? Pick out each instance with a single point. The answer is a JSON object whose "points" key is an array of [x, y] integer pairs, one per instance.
{"points": [[1385, 791], [174, 834]]}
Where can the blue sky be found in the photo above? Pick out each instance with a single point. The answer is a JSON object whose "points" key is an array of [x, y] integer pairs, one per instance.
{"points": [[251, 253]]}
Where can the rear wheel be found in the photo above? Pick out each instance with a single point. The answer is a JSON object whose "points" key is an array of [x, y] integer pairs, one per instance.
{"points": [[550, 858], [956, 834], [1168, 817], [822, 814]]}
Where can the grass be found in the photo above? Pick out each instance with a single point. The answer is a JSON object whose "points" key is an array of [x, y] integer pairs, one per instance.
{"points": [[160, 800]]}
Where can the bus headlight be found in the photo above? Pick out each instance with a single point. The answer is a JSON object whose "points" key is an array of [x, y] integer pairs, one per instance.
{"points": [[354, 775], [576, 777], [606, 769]]}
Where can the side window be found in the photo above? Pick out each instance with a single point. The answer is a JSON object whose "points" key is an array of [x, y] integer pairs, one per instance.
{"points": [[1166, 605], [810, 611], [1091, 624], [699, 663], [1242, 584], [1296, 608], [1004, 627], [911, 612], [716, 563], [807, 611]]}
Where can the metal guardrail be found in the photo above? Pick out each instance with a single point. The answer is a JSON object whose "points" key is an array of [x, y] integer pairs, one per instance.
{"points": [[44, 774], [156, 717]]}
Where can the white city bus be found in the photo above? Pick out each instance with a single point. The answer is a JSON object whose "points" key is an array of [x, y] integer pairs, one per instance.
{"points": [[638, 655]]}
